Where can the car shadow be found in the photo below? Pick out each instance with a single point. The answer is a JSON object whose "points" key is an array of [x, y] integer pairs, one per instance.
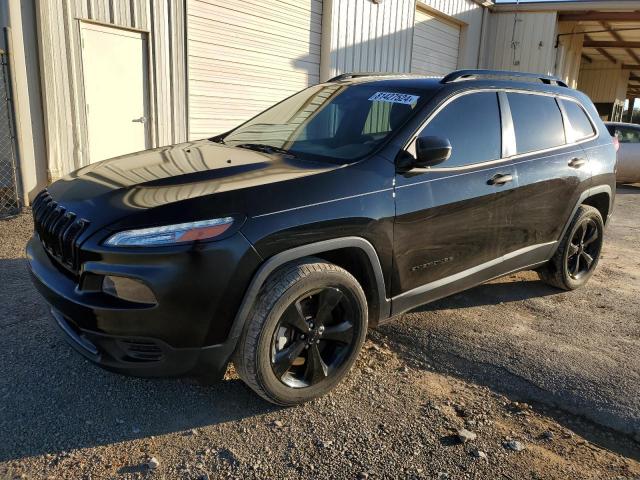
{"points": [[53, 400], [628, 189]]}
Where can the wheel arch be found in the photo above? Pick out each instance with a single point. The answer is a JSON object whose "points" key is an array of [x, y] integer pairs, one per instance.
{"points": [[599, 197], [601, 201], [354, 254]]}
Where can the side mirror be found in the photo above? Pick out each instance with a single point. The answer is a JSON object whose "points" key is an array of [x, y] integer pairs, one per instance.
{"points": [[431, 151]]}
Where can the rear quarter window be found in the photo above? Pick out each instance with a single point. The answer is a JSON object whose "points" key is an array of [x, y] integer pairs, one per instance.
{"points": [[581, 126], [537, 122]]}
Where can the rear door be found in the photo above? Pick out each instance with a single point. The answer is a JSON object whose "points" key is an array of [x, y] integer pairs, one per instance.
{"points": [[553, 170], [450, 217]]}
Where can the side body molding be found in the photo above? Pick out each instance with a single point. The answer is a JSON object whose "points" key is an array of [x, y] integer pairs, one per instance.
{"points": [[287, 256]]}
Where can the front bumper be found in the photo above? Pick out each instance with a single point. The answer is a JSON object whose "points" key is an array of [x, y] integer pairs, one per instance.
{"points": [[143, 356], [186, 332]]}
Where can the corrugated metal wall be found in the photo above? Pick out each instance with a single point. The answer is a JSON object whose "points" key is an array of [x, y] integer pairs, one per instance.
{"points": [[246, 55], [470, 13], [534, 39], [435, 45], [380, 41], [61, 71], [604, 82], [569, 54]]}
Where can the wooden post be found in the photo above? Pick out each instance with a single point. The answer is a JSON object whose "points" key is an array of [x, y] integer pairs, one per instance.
{"points": [[632, 102]]}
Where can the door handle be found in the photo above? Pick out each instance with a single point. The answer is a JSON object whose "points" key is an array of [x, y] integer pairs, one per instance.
{"points": [[500, 179], [140, 120], [577, 162]]}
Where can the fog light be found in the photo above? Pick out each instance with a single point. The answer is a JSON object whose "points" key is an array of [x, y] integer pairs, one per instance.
{"points": [[128, 289]]}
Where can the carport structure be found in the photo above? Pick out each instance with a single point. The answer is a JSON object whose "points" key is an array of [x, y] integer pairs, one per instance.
{"points": [[606, 33], [613, 37]]}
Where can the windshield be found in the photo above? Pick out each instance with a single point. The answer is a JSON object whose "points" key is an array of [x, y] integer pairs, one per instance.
{"points": [[338, 123]]}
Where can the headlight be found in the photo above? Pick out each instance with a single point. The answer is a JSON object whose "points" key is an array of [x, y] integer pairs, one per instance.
{"points": [[170, 234]]}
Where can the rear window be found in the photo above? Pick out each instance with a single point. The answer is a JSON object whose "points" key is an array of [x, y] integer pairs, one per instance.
{"points": [[537, 122], [580, 123]]}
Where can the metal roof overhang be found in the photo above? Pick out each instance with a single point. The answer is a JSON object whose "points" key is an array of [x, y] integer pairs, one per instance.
{"points": [[568, 6], [611, 30]]}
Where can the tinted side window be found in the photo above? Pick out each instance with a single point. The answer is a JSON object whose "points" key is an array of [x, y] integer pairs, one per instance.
{"points": [[612, 130], [537, 122], [472, 125], [580, 123]]}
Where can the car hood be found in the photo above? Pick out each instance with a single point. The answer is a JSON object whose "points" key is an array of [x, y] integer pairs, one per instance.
{"points": [[165, 178]]}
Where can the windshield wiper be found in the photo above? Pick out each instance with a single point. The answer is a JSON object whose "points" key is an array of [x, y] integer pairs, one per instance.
{"points": [[218, 139], [261, 147]]}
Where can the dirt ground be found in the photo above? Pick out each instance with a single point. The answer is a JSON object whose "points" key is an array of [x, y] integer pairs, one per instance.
{"points": [[545, 383]]}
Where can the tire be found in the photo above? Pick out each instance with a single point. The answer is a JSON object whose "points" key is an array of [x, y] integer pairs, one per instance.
{"points": [[581, 242], [274, 337]]}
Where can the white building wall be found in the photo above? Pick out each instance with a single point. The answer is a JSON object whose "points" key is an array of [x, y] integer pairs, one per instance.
{"points": [[532, 35], [61, 77], [569, 54], [471, 14], [363, 36], [604, 82], [436, 43], [246, 55]]}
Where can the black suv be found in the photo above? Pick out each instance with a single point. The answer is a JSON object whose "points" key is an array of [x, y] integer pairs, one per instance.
{"points": [[278, 244]]}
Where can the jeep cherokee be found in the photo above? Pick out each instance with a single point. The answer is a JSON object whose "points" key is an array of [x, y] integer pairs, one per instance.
{"points": [[278, 244]]}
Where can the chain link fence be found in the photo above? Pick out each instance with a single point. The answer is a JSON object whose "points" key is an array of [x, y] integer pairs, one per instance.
{"points": [[9, 199]]}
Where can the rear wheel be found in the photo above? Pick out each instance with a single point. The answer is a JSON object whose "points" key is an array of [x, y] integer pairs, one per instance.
{"points": [[577, 256], [304, 333]]}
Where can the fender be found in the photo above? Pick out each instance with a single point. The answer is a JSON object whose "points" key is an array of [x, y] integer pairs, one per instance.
{"points": [[271, 264], [586, 194]]}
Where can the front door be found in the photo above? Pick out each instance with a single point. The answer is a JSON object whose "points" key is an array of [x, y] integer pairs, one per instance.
{"points": [[114, 65], [450, 219]]}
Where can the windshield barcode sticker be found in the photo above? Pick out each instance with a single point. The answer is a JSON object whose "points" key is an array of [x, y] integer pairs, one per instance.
{"points": [[390, 97]]}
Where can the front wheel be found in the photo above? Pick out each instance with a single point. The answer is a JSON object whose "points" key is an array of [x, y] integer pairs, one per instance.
{"points": [[577, 256], [304, 333]]}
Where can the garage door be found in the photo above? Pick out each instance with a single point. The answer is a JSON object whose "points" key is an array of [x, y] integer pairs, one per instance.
{"points": [[435, 45], [245, 55]]}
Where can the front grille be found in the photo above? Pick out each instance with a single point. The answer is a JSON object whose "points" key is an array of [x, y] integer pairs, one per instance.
{"points": [[58, 230]]}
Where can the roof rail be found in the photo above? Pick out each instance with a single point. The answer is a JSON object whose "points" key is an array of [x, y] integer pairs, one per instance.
{"points": [[346, 76], [461, 75]]}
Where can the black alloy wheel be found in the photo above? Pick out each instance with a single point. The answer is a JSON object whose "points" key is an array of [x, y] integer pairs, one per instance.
{"points": [[304, 332], [578, 252], [313, 338], [584, 249]]}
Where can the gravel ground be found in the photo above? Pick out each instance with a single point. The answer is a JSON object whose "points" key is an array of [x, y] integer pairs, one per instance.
{"points": [[542, 382], [579, 350]]}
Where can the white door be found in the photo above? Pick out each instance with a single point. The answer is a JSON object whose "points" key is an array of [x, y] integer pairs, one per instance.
{"points": [[114, 64], [435, 45], [246, 55]]}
